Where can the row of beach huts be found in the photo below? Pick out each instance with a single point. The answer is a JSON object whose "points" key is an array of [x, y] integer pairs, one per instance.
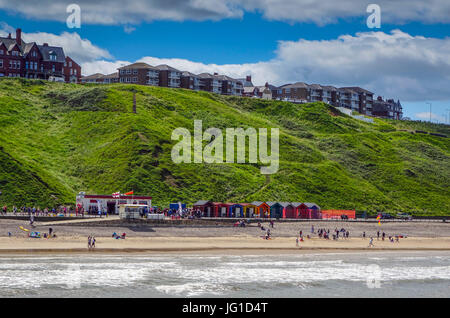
{"points": [[270, 209]]}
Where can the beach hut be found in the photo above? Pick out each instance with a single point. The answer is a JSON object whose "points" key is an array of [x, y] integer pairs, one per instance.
{"points": [[262, 209], [221, 209], [176, 206], [205, 207], [289, 211], [276, 210], [297, 209], [236, 210], [249, 210], [309, 211]]}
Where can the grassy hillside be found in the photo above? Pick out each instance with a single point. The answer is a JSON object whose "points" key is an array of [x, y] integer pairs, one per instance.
{"points": [[59, 139]]}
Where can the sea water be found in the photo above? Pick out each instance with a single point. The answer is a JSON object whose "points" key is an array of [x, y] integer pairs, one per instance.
{"points": [[388, 274]]}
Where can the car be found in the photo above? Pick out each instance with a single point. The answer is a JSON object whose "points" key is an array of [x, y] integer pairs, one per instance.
{"points": [[404, 216], [386, 216]]}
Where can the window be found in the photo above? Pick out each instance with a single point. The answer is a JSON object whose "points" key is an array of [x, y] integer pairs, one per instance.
{"points": [[15, 53], [26, 65], [1, 63], [2, 52], [70, 64], [53, 68], [52, 56]]}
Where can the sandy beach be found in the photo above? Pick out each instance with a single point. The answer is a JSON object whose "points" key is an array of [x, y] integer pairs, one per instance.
{"points": [[240, 244], [72, 237]]}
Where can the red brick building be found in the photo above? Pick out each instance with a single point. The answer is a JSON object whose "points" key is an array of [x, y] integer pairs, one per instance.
{"points": [[31, 60], [72, 71]]}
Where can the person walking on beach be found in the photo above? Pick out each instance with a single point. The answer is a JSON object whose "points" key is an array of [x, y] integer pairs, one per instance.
{"points": [[364, 235], [93, 242], [371, 242], [383, 236], [89, 242], [296, 241]]}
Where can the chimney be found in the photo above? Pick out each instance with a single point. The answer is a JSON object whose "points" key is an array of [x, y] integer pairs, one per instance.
{"points": [[248, 78], [19, 37], [45, 44], [215, 74], [9, 36]]}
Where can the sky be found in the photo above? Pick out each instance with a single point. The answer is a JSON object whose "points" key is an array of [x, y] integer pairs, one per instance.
{"points": [[277, 41]]}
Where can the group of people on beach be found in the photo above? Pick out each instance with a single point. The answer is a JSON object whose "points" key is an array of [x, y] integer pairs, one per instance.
{"points": [[37, 211], [91, 242], [392, 238], [325, 234]]}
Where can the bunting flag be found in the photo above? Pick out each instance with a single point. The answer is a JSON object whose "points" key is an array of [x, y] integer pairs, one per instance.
{"points": [[116, 195], [129, 193]]}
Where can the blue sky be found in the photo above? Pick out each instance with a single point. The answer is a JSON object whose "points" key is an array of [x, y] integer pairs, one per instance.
{"points": [[272, 45]]}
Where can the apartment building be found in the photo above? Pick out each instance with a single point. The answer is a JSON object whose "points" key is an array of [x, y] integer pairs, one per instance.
{"points": [[296, 93], [230, 86], [101, 78], [349, 99], [190, 81], [169, 76], [210, 83], [30, 60], [364, 100], [139, 73], [387, 109]]}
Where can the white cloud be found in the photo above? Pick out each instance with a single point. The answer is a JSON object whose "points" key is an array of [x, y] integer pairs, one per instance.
{"points": [[81, 50], [320, 12], [129, 29], [110, 12], [102, 66], [426, 116]]}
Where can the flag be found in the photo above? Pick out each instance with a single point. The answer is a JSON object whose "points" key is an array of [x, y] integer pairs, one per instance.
{"points": [[129, 193], [116, 195], [379, 219]]}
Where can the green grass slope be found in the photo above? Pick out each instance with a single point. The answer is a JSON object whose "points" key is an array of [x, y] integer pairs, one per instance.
{"points": [[59, 139]]}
